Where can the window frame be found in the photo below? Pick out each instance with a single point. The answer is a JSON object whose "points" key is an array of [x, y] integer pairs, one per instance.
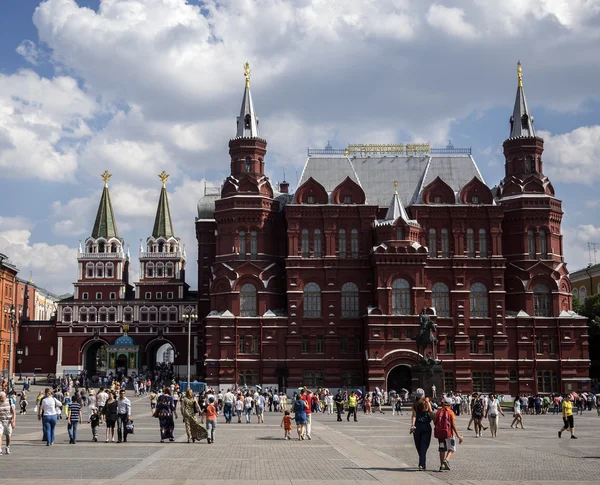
{"points": [[350, 300], [440, 299], [479, 303], [311, 300], [401, 297], [248, 300]]}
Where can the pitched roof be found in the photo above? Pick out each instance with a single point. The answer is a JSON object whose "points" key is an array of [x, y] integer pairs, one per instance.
{"points": [[247, 122], [105, 224], [163, 225], [376, 174]]}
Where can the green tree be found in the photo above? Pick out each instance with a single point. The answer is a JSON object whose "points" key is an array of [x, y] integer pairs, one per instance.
{"points": [[590, 308]]}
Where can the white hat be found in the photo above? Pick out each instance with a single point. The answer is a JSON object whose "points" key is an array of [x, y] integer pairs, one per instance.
{"points": [[420, 393], [447, 400]]}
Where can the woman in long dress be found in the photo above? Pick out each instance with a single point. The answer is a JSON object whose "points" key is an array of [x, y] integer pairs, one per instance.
{"points": [[164, 411], [189, 408]]}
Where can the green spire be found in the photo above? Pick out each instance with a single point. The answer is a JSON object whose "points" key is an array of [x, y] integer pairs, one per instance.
{"points": [[105, 225], [163, 225]]}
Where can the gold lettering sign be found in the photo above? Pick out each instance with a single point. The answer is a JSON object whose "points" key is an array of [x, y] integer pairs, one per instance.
{"points": [[361, 149]]}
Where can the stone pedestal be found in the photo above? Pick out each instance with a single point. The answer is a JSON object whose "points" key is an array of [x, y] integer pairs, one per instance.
{"points": [[426, 375]]}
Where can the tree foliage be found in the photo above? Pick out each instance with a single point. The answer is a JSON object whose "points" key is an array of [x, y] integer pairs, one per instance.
{"points": [[589, 308]]}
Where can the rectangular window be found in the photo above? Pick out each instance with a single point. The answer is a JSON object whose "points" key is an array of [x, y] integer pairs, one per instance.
{"points": [[169, 295], [317, 244], [552, 345], [409, 333], [473, 345], [342, 243], [305, 345], [547, 381], [343, 344], [400, 233], [148, 295], [308, 379], [354, 242], [347, 199], [445, 244], [242, 245], [483, 382], [320, 344], [449, 346], [351, 379], [241, 344], [448, 381], [310, 199], [253, 245], [255, 345], [357, 345], [84, 296], [531, 244], [488, 346], [98, 296], [470, 243], [539, 346], [396, 333], [127, 316], [305, 247], [112, 316], [159, 295], [483, 252], [112, 295]]}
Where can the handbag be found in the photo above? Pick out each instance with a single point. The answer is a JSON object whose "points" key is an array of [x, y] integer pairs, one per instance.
{"points": [[129, 427], [35, 409]]}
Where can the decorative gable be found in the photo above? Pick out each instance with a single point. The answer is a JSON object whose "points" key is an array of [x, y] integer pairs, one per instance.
{"points": [[476, 192], [348, 192], [311, 192]]}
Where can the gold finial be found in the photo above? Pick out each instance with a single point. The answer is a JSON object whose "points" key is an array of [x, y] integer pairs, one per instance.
{"points": [[520, 74], [125, 328], [247, 73], [163, 176], [106, 177], [396, 187]]}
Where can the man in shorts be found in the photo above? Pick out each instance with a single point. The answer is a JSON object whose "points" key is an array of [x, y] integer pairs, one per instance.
{"points": [[8, 420], [101, 399], [447, 446]]}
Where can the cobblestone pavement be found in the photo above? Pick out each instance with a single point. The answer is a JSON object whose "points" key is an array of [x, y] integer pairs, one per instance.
{"points": [[377, 449]]}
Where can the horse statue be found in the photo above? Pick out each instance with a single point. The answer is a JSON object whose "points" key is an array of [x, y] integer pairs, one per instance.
{"points": [[426, 337]]}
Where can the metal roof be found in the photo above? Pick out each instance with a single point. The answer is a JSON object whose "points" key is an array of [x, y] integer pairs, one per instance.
{"points": [[377, 174]]}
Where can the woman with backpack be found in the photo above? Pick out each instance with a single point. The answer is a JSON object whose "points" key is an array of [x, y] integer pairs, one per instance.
{"points": [[420, 428]]}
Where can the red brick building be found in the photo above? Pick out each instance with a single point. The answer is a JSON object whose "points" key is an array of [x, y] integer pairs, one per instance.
{"points": [[9, 326], [110, 326], [324, 287]]}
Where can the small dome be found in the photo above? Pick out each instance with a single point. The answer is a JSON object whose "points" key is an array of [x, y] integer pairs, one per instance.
{"points": [[206, 206], [124, 341]]}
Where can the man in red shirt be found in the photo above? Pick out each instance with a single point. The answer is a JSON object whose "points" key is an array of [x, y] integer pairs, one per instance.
{"points": [[307, 396]]}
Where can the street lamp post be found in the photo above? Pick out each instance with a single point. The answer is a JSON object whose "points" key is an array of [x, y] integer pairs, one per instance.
{"points": [[191, 316], [20, 361], [12, 319]]}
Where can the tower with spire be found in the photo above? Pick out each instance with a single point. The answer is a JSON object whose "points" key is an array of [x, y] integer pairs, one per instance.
{"points": [[162, 259]]}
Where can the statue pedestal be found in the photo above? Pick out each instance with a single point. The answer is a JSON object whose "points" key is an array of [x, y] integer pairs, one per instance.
{"points": [[427, 375]]}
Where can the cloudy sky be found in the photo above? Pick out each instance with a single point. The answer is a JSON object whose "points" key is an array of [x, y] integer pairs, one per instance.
{"points": [[138, 86]]}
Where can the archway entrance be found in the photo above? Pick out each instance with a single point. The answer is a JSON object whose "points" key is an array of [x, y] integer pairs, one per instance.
{"points": [[95, 359], [121, 365], [400, 377], [159, 359]]}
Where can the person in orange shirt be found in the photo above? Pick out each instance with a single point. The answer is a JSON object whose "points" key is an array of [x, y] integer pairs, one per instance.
{"points": [[286, 424], [211, 419], [445, 430]]}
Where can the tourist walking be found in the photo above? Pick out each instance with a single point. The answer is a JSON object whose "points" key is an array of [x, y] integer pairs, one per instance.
{"points": [[339, 404], [8, 420], [445, 431], [477, 414], [211, 414], [248, 403], [286, 424], [491, 412], [48, 412], [352, 402], [309, 409], [239, 407], [73, 419], [228, 403], [123, 417], [23, 403], [517, 413], [164, 413], [567, 415], [300, 408], [110, 416], [422, 415], [101, 399], [189, 408]]}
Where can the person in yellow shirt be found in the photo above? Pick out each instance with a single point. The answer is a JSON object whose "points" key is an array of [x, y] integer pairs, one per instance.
{"points": [[352, 403], [567, 415]]}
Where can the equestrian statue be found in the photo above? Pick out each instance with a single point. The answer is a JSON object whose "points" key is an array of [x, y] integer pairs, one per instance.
{"points": [[426, 337]]}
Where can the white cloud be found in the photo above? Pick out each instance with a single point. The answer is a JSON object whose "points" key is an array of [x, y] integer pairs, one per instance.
{"points": [[573, 157], [577, 252], [29, 51], [451, 21]]}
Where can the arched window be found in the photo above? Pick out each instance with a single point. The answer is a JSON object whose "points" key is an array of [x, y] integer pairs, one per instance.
{"points": [[99, 270], [350, 301], [92, 315], [173, 315], [89, 247], [432, 243], [582, 293], [169, 270], [248, 163], [247, 122], [144, 315], [354, 243], [543, 245], [110, 270], [479, 300], [305, 244], [445, 244], [401, 297], [529, 165], [83, 315], [67, 315], [112, 314], [483, 253], [400, 234], [164, 314], [242, 245], [89, 270], [541, 301], [149, 270], [102, 315], [576, 291], [160, 270], [253, 245], [248, 300], [153, 314], [312, 301], [317, 244], [128, 314], [531, 243], [101, 247], [470, 243], [440, 299], [342, 243]]}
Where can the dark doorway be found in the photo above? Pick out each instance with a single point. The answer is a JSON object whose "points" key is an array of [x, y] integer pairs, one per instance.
{"points": [[400, 377], [121, 365], [95, 359]]}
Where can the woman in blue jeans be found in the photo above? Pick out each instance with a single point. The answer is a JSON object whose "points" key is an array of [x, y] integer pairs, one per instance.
{"points": [[422, 415], [50, 407]]}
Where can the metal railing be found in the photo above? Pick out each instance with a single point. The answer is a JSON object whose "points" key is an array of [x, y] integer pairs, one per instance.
{"points": [[432, 151]]}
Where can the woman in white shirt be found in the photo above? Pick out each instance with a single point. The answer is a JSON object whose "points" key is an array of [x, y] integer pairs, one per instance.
{"points": [[50, 407], [491, 412], [248, 402]]}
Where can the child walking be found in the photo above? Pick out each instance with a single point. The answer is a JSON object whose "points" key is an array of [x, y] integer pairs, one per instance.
{"points": [[286, 424], [95, 423]]}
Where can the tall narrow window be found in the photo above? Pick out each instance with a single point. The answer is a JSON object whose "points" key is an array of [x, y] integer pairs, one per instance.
{"points": [[350, 301], [317, 244], [160, 270], [541, 301], [89, 270], [543, 245], [241, 344], [445, 244], [470, 243], [432, 243], [400, 233], [440, 299], [242, 245], [483, 253], [354, 243], [312, 300], [248, 164], [305, 344], [320, 344], [99, 270], [342, 243], [479, 300], [253, 245], [305, 244], [248, 300], [149, 270], [531, 243], [109, 273], [401, 297]]}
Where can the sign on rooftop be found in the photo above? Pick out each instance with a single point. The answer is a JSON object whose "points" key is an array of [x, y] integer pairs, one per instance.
{"points": [[386, 149]]}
